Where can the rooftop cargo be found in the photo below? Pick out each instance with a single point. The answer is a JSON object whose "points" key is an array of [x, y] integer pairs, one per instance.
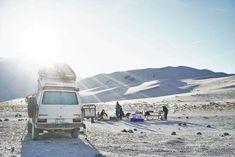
{"points": [[56, 76], [57, 71]]}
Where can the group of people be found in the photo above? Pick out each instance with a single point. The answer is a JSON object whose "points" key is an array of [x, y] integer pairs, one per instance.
{"points": [[120, 113]]}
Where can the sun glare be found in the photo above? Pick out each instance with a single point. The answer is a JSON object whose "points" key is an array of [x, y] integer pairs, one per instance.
{"points": [[40, 44]]}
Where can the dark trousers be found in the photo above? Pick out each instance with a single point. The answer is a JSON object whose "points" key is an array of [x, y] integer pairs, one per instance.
{"points": [[119, 115], [165, 115]]}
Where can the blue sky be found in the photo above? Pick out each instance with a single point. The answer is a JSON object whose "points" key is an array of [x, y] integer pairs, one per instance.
{"points": [[106, 35]]}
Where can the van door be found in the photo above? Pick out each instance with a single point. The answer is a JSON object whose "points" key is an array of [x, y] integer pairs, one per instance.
{"points": [[59, 106]]}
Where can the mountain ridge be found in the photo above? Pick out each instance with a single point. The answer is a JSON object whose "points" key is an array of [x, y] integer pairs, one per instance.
{"points": [[117, 85], [19, 79]]}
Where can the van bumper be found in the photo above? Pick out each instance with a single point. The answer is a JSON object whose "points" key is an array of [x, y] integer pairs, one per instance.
{"points": [[62, 126]]}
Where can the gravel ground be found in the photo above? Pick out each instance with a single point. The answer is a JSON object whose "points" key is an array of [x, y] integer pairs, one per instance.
{"points": [[149, 138]]}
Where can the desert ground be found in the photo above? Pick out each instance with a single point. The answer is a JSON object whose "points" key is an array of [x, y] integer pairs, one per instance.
{"points": [[214, 120], [203, 121]]}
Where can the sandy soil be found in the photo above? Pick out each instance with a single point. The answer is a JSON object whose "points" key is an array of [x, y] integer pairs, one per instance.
{"points": [[149, 138]]}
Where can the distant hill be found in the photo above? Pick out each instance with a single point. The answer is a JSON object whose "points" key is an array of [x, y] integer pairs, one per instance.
{"points": [[18, 79], [142, 83]]}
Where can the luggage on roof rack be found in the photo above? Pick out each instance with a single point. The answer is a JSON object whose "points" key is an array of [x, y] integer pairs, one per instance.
{"points": [[56, 76], [57, 71]]}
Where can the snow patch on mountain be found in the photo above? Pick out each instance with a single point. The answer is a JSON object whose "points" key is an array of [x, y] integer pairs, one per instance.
{"points": [[92, 92], [142, 87]]}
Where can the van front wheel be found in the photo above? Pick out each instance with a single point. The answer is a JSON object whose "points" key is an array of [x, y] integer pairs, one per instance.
{"points": [[74, 133]]}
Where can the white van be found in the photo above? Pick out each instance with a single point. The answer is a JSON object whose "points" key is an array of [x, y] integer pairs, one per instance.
{"points": [[56, 104]]}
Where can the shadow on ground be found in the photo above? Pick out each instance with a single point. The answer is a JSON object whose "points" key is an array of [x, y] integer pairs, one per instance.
{"points": [[56, 145]]}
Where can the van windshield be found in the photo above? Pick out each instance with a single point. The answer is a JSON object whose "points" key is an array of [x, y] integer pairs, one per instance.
{"points": [[61, 98]]}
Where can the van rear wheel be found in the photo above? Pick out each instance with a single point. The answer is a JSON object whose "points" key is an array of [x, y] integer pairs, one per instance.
{"points": [[29, 128], [35, 133], [74, 133]]}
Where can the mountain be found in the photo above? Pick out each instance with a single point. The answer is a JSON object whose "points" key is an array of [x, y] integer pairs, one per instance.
{"points": [[19, 79], [142, 83]]}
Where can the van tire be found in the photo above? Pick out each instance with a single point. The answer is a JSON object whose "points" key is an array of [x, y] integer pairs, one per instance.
{"points": [[74, 133], [29, 128], [32, 107], [35, 133]]}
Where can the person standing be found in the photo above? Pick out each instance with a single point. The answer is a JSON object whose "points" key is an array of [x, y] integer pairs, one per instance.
{"points": [[119, 111], [165, 110]]}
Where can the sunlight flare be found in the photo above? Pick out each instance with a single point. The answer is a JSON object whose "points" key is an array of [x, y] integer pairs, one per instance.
{"points": [[40, 43]]}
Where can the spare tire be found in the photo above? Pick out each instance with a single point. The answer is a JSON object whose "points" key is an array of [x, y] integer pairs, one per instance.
{"points": [[32, 107]]}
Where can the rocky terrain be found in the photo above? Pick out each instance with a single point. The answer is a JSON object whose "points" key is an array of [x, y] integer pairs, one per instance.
{"points": [[191, 130]]}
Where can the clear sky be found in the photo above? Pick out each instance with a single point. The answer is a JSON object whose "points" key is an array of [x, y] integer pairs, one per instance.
{"points": [[102, 36]]}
